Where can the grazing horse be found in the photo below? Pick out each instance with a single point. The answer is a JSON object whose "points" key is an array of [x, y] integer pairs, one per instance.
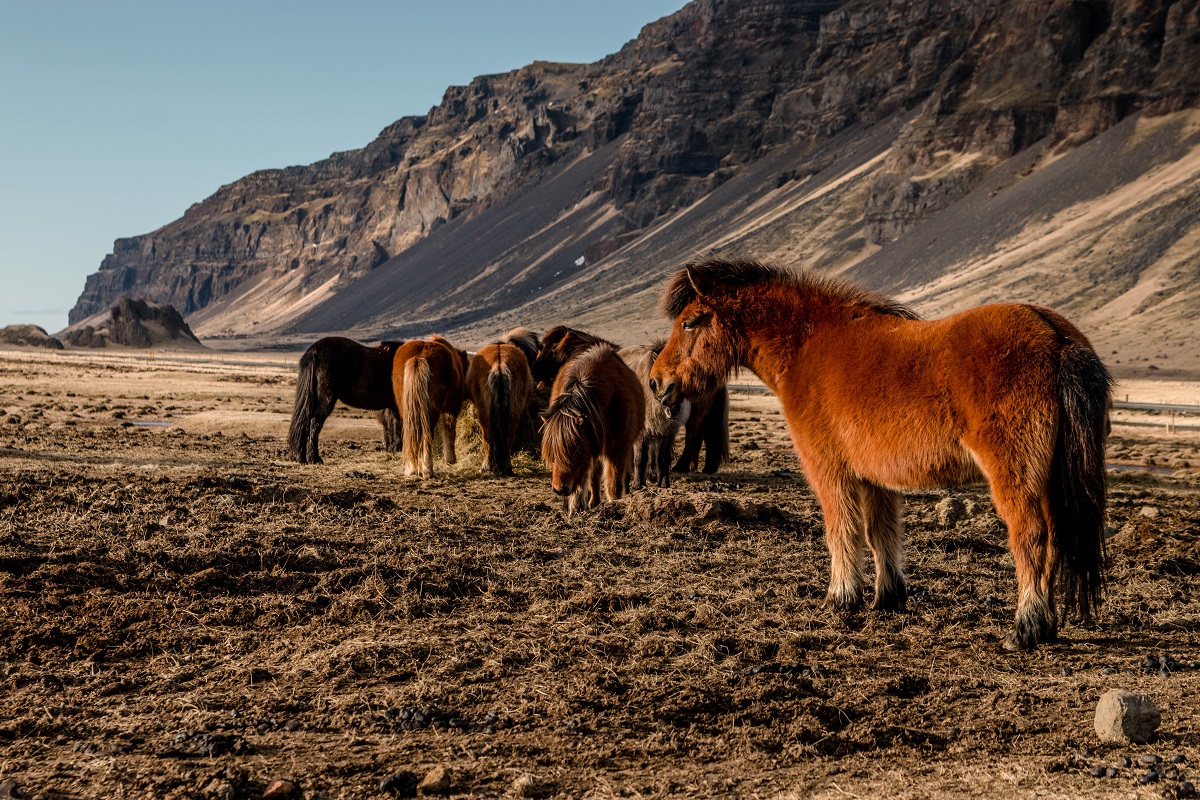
{"points": [[500, 385], [597, 409], [428, 382], [334, 369], [558, 346], [878, 400], [653, 450]]}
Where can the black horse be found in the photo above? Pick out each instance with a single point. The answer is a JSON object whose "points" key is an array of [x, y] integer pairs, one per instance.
{"points": [[335, 368]]}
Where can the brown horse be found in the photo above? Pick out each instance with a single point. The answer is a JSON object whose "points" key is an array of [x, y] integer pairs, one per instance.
{"points": [[654, 448], [428, 382], [559, 346], [334, 369], [597, 409], [500, 385], [877, 400]]}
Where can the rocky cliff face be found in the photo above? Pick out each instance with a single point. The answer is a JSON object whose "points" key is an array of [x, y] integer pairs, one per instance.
{"points": [[697, 99]]}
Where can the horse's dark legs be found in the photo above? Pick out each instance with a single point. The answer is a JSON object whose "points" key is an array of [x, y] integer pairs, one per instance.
{"points": [[884, 523], [641, 460], [662, 460], [320, 414], [389, 418]]}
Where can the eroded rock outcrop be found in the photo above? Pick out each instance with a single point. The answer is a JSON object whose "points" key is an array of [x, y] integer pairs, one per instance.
{"points": [[136, 322], [695, 98]]}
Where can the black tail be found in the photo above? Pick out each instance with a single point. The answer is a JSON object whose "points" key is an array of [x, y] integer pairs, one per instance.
{"points": [[499, 447], [1077, 480], [304, 410]]}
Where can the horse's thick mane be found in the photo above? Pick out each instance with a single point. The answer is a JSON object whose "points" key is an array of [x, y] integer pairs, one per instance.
{"points": [[738, 273], [524, 340], [577, 399]]}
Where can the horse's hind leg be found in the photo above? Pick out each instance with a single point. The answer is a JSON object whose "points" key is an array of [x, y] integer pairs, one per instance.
{"points": [[1029, 541], [884, 525], [324, 409]]}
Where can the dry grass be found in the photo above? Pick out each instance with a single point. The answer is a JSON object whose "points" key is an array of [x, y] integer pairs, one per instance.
{"points": [[172, 592]]}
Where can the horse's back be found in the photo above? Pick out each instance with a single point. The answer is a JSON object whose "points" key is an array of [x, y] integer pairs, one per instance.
{"points": [[923, 402]]}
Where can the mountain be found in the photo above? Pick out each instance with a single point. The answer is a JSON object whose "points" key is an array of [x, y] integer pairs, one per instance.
{"points": [[947, 152]]}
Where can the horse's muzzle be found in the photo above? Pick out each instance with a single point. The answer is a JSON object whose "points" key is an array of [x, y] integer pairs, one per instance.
{"points": [[669, 396], [562, 491]]}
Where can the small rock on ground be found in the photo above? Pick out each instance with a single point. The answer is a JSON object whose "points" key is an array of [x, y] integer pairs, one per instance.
{"points": [[1126, 717], [437, 782], [949, 511]]}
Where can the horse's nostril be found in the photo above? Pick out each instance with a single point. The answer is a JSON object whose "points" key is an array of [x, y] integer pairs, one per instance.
{"points": [[561, 490], [668, 390]]}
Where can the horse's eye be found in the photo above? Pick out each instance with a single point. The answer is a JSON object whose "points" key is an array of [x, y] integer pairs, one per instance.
{"points": [[693, 323]]}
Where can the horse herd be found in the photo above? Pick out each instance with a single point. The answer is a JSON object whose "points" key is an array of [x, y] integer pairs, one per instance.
{"points": [[602, 420], [875, 398]]}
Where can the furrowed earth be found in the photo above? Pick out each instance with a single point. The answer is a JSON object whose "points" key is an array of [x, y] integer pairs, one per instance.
{"points": [[188, 614]]}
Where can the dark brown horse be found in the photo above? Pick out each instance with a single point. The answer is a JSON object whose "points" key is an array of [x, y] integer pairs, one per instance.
{"points": [[654, 448], [708, 427], [877, 400], [500, 385], [334, 369], [428, 382], [596, 413], [558, 346]]}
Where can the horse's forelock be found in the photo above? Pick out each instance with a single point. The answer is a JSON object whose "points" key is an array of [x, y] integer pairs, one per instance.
{"points": [[561, 436]]}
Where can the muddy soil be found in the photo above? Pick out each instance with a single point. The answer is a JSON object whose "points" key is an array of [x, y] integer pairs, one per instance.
{"points": [[187, 614]]}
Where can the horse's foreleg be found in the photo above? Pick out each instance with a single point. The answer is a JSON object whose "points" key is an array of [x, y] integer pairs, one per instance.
{"points": [[884, 525], [840, 503], [615, 475], [593, 484]]}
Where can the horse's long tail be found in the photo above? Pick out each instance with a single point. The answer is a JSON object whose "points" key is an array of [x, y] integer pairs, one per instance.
{"points": [[416, 408], [304, 409], [1077, 481], [499, 447]]}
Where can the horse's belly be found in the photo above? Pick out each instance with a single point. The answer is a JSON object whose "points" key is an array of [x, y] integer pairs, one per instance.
{"points": [[918, 467]]}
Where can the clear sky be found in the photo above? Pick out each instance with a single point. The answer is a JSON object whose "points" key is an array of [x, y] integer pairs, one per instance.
{"points": [[116, 115]]}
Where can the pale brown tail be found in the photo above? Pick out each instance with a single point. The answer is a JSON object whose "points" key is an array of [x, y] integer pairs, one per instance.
{"points": [[420, 417]]}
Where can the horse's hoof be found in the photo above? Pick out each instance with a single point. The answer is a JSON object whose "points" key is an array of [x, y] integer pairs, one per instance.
{"points": [[843, 605], [1013, 644], [894, 602]]}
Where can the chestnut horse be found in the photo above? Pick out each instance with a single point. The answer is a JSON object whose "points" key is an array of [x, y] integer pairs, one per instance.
{"points": [[877, 400], [428, 382], [500, 385], [597, 409], [334, 369], [654, 448]]}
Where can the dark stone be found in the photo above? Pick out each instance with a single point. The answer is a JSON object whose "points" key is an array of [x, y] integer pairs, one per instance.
{"points": [[400, 784]]}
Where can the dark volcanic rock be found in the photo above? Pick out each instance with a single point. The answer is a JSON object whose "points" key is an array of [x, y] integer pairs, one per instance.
{"points": [[136, 323], [28, 336]]}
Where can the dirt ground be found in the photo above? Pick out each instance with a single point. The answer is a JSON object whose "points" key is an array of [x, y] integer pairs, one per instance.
{"points": [[187, 614]]}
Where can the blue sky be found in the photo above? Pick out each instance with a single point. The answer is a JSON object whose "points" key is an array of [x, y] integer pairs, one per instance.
{"points": [[116, 115]]}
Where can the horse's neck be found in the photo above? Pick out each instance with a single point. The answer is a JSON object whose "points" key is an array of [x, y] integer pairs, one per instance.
{"points": [[774, 327]]}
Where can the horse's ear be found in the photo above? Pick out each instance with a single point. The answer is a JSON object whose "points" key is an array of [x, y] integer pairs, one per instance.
{"points": [[698, 280]]}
